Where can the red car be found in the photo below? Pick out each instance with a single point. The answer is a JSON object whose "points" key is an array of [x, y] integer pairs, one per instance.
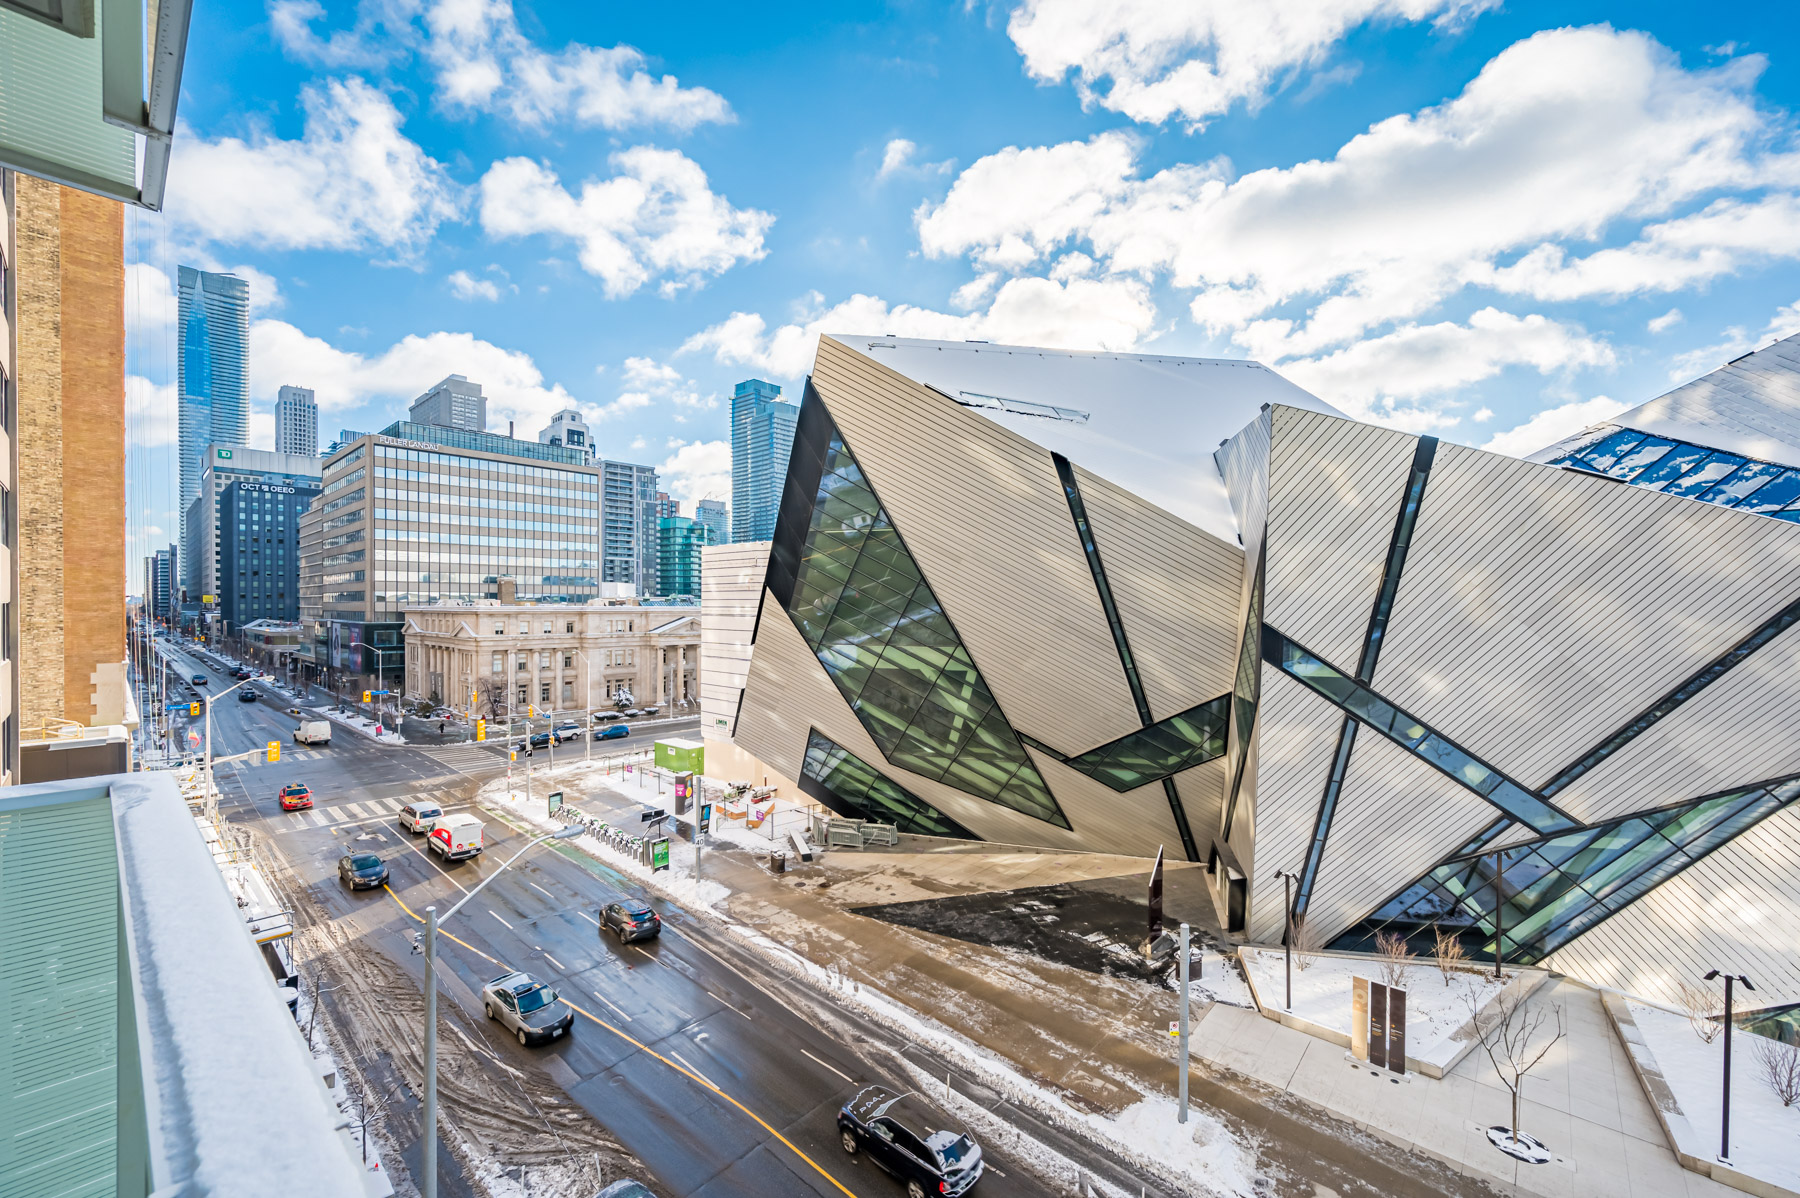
{"points": [[295, 797]]}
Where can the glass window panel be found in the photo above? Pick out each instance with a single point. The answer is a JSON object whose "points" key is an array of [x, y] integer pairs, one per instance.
{"points": [[1670, 466], [1777, 493], [1708, 472], [1742, 483], [1603, 453], [1645, 453]]}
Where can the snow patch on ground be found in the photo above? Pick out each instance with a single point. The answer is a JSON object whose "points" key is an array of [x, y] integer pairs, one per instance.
{"points": [[357, 723], [1322, 995], [1765, 1136]]}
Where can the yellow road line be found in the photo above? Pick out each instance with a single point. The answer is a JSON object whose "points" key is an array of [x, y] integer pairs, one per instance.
{"points": [[640, 1045]]}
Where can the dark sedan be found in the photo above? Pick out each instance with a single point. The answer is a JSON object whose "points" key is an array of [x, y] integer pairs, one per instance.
{"points": [[631, 921], [357, 870], [247, 696], [939, 1162]]}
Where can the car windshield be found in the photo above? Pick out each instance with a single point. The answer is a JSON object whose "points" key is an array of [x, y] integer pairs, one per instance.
{"points": [[951, 1151], [366, 861], [536, 998]]}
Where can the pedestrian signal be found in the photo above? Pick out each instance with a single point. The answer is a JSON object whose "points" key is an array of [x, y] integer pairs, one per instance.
{"points": [[530, 710], [274, 750], [367, 696], [193, 709]]}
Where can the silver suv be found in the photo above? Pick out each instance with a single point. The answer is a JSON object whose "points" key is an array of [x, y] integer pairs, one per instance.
{"points": [[418, 817], [527, 1007]]}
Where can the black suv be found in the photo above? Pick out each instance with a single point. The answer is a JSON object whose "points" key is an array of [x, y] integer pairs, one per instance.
{"points": [[941, 1162]]}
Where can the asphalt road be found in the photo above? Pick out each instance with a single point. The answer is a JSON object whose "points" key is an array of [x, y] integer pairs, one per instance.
{"points": [[681, 1050]]}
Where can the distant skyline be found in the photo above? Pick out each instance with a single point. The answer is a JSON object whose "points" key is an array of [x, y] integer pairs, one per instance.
{"points": [[1497, 224]]}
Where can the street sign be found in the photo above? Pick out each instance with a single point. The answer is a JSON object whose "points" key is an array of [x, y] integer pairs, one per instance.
{"points": [[651, 813], [274, 750], [704, 821], [1175, 1027], [176, 706], [555, 801], [659, 854], [378, 692]]}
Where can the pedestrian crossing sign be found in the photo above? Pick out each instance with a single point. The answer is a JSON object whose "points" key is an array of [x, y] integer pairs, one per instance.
{"points": [[274, 750], [480, 729]]}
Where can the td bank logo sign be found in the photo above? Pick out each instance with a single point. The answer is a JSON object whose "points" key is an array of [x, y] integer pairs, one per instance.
{"points": [[224, 453]]}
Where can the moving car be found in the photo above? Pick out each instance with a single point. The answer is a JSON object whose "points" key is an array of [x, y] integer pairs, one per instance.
{"points": [[537, 740], [455, 837], [295, 796], [940, 1162], [566, 732], [630, 921], [357, 870], [626, 1188], [418, 817], [247, 696], [313, 732], [199, 679], [612, 731], [527, 1007]]}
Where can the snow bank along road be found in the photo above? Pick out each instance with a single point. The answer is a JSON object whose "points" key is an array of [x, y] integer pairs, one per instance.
{"points": [[711, 1078]]}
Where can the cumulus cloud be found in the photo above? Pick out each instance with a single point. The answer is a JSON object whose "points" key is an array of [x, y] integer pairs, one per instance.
{"points": [[1553, 424], [379, 36], [657, 217], [485, 63], [1665, 322], [1383, 377], [352, 181], [696, 471], [1076, 314], [1737, 340], [896, 157], [1152, 60], [1561, 138], [343, 379], [151, 416], [465, 286]]}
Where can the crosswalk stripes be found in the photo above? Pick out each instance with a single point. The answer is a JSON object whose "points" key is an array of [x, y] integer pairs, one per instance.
{"points": [[465, 757], [341, 814]]}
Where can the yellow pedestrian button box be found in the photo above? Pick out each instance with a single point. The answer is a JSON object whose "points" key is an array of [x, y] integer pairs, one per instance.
{"points": [[480, 729], [367, 696], [193, 709], [274, 750]]}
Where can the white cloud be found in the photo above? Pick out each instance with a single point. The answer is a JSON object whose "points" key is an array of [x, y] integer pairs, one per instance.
{"points": [[342, 379], [151, 416], [638, 443], [1737, 341], [1482, 415], [1385, 377], [465, 286], [897, 156], [151, 305], [1665, 322], [352, 181], [629, 401], [261, 433], [485, 63], [656, 218], [696, 470], [1553, 424], [291, 21], [649, 380], [1077, 314], [1153, 60], [1561, 138]]}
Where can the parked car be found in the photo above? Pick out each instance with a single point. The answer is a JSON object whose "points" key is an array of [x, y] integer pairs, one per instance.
{"points": [[418, 817], [527, 1007], [296, 796], [630, 921], [566, 732], [357, 870], [247, 696], [939, 1162], [455, 837], [612, 732], [312, 732]]}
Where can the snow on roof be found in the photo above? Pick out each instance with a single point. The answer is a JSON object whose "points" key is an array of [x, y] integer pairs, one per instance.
{"points": [[1152, 423], [1750, 406]]}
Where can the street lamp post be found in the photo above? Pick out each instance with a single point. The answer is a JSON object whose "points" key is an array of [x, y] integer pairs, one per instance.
{"points": [[1288, 878], [212, 809], [1725, 1100], [380, 659], [428, 1154]]}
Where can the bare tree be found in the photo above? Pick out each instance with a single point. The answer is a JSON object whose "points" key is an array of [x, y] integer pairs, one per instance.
{"points": [[1306, 942], [1780, 1067], [491, 694], [1395, 956], [1450, 955], [1701, 1006], [1514, 1037]]}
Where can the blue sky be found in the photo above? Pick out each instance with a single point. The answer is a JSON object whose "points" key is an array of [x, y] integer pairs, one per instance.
{"points": [[1496, 222]]}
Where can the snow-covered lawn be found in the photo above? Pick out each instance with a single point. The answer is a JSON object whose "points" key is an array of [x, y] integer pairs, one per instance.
{"points": [[359, 724], [1435, 1009], [1765, 1136]]}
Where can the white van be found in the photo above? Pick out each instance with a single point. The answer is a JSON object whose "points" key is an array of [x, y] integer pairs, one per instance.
{"points": [[313, 732], [454, 837]]}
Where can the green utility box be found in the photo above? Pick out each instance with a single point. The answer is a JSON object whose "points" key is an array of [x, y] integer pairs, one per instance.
{"points": [[681, 756]]}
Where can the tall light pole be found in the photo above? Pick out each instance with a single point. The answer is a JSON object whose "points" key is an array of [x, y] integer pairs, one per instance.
{"points": [[380, 660], [1288, 878], [212, 802], [428, 1152], [1725, 1100]]}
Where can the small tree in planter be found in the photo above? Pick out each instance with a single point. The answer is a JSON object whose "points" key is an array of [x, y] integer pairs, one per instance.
{"points": [[1449, 955], [1395, 956], [1306, 943], [1780, 1067], [1701, 1007], [1516, 1040]]}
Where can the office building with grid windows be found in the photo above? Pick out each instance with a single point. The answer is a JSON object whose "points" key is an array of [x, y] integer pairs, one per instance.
{"points": [[1180, 603], [297, 422], [259, 551], [762, 435], [423, 513]]}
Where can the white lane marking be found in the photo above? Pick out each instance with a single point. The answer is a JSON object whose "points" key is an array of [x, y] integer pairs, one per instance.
{"points": [[716, 998], [695, 1071], [392, 805], [319, 819], [541, 890], [415, 848], [615, 1006], [990, 1164], [496, 915], [588, 917], [641, 952], [553, 960], [839, 1072]]}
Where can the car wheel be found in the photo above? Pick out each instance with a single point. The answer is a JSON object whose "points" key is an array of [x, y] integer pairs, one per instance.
{"points": [[521, 1037], [849, 1139], [487, 1009], [914, 1190]]}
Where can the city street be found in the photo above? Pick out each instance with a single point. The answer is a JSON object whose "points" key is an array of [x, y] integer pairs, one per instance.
{"points": [[660, 1024]]}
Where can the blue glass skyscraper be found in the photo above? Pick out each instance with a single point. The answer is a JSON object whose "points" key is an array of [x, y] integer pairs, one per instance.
{"points": [[213, 378], [762, 436]]}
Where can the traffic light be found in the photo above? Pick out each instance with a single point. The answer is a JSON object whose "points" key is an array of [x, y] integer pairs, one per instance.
{"points": [[480, 729], [274, 750], [367, 696], [193, 709], [530, 710]]}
